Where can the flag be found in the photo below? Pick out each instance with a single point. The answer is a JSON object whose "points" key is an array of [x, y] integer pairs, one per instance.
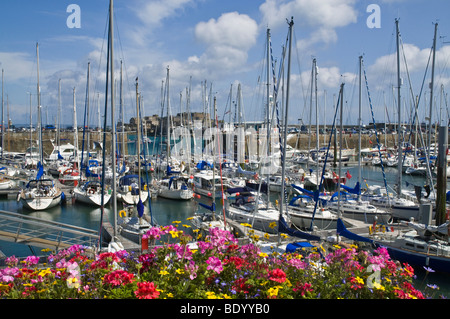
{"points": [[348, 175]]}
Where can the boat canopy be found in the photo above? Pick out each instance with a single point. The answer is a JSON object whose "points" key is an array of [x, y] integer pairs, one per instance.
{"points": [[128, 179], [203, 165], [343, 231]]}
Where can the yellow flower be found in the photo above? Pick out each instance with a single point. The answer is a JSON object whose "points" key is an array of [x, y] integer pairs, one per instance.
{"points": [[179, 271], [284, 236], [266, 236], [225, 296], [176, 222], [196, 230], [163, 272], [186, 226], [211, 295], [263, 255], [45, 272], [170, 295], [378, 286], [190, 218], [73, 282], [174, 233], [272, 225], [337, 246], [359, 280], [273, 291], [246, 225]]}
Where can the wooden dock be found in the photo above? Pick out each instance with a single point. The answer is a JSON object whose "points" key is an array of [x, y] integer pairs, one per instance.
{"points": [[108, 234]]}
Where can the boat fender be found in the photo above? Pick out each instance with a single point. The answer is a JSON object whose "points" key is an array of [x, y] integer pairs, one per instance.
{"points": [[123, 213]]}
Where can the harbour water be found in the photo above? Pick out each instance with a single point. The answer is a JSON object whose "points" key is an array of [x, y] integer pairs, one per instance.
{"points": [[166, 211]]}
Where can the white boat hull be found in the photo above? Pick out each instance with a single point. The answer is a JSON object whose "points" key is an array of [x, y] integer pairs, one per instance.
{"points": [[40, 203], [94, 199], [130, 199], [181, 194], [265, 220], [302, 218]]}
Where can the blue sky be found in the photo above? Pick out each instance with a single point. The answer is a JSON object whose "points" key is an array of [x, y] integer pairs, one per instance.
{"points": [[223, 43]]}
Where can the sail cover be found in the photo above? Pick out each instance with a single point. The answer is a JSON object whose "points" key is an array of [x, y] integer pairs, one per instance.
{"points": [[343, 231], [284, 228]]}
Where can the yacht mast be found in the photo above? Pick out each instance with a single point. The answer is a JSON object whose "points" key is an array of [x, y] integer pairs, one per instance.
{"points": [[399, 129], [113, 127]]}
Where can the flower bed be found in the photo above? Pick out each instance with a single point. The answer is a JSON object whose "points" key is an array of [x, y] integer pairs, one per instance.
{"points": [[216, 267]]}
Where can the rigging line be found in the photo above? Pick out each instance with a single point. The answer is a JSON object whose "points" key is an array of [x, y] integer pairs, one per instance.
{"points": [[332, 131], [100, 61], [429, 175], [375, 127], [305, 97]]}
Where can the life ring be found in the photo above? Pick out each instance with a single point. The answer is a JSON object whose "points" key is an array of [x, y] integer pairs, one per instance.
{"points": [[123, 213]]}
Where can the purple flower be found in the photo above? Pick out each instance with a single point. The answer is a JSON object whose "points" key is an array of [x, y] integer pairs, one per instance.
{"points": [[428, 269]]}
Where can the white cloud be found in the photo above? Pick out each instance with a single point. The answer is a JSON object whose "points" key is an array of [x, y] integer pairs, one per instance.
{"points": [[151, 13], [16, 65], [227, 40], [416, 63], [323, 17]]}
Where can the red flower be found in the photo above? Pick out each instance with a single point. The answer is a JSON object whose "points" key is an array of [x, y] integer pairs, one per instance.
{"points": [[238, 262], [306, 287], [240, 285], [277, 275], [119, 278], [146, 290]]}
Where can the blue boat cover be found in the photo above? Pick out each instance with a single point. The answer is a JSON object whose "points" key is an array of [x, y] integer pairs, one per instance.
{"points": [[356, 190], [40, 171], [140, 208], [211, 208], [284, 228], [343, 231], [292, 247]]}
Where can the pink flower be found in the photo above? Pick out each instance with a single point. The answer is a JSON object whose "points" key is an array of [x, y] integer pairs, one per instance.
{"points": [[12, 261], [214, 264], [153, 233], [32, 260]]}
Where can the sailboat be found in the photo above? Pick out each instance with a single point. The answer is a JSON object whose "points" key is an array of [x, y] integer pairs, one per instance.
{"points": [[173, 185], [134, 226], [40, 193], [249, 206], [425, 243], [132, 188], [353, 206]]}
